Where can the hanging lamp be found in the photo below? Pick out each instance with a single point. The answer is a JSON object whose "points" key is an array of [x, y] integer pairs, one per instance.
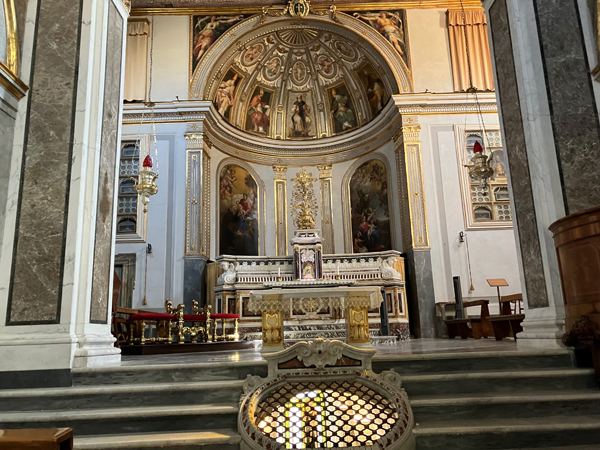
{"points": [[481, 168], [145, 184]]}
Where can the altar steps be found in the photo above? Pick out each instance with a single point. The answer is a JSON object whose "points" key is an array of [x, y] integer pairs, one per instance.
{"points": [[479, 400]]}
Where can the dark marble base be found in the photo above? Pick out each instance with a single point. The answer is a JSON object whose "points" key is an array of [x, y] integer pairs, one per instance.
{"points": [[420, 293], [194, 282], [30, 379], [166, 349]]}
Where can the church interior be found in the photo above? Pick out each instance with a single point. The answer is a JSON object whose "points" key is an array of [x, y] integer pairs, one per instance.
{"points": [[277, 224]]}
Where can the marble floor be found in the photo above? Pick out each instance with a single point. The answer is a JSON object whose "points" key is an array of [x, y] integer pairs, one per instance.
{"points": [[400, 350]]}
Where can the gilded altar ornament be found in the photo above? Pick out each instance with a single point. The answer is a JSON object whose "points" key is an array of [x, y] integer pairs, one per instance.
{"points": [[481, 170], [298, 8], [304, 202], [145, 185]]}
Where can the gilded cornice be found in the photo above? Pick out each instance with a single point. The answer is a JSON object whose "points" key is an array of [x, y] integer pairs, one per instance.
{"points": [[205, 7]]}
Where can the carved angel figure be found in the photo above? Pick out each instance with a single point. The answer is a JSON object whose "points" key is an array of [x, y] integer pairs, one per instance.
{"points": [[387, 269], [230, 275]]}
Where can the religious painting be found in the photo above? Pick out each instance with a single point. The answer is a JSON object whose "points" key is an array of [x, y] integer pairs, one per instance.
{"points": [[299, 72], [390, 24], [301, 117], [272, 68], [345, 50], [238, 212], [251, 56], [376, 92], [226, 93], [369, 209], [325, 66], [206, 30], [499, 165], [341, 108], [258, 113]]}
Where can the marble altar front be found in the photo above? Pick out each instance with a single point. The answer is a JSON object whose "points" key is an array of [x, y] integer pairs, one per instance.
{"points": [[347, 303]]}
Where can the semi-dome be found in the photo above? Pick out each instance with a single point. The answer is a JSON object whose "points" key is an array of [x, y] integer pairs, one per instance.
{"points": [[298, 79]]}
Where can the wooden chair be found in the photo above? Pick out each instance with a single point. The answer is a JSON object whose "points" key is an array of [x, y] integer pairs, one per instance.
{"points": [[508, 323], [37, 439], [476, 327], [117, 319]]}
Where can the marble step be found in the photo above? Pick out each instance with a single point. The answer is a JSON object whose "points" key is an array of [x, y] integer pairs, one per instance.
{"points": [[149, 419], [206, 440], [169, 373], [499, 406], [121, 396], [509, 433], [490, 361], [499, 381]]}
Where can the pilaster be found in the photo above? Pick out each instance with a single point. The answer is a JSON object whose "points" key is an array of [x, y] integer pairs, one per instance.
{"points": [[281, 236], [415, 233], [326, 209]]}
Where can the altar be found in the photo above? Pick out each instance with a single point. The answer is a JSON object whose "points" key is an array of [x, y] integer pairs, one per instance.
{"points": [[348, 303]]}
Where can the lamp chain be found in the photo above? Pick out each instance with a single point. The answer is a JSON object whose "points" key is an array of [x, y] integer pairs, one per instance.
{"points": [[150, 96]]}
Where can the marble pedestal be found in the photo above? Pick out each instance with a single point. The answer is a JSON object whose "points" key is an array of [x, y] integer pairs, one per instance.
{"points": [[351, 303]]}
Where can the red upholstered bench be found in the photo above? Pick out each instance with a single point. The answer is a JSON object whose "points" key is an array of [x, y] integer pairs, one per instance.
{"points": [[197, 318], [137, 327], [223, 317]]}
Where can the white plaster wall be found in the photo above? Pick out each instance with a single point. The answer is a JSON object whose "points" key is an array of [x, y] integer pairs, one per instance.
{"points": [[171, 58], [430, 50], [165, 223], [493, 252]]}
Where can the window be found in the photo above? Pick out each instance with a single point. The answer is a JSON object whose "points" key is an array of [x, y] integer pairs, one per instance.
{"points": [[131, 221], [489, 207]]}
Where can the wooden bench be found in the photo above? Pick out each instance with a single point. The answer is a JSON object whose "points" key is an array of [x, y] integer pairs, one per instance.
{"points": [[37, 439], [479, 326], [508, 323]]}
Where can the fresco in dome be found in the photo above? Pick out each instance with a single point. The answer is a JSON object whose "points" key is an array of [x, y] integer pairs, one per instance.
{"points": [[238, 212], [341, 109], [206, 30], [374, 87], [226, 93], [252, 55], [301, 117], [369, 209], [272, 68], [390, 24], [258, 113]]}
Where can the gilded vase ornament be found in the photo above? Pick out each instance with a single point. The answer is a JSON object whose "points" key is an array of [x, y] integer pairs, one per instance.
{"points": [[304, 202], [145, 185], [481, 170]]}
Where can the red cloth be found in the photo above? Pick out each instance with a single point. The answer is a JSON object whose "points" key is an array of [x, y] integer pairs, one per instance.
{"points": [[152, 316], [224, 316], [194, 318], [477, 148], [147, 161]]}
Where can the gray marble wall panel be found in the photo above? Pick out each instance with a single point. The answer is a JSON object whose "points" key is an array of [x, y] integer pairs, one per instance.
{"points": [[103, 265], [7, 125], [194, 282], [420, 294], [37, 272], [572, 105], [514, 136]]}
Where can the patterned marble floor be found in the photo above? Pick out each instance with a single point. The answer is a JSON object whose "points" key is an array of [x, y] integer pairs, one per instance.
{"points": [[400, 349]]}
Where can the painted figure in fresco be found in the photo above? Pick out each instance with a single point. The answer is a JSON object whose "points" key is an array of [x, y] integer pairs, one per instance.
{"points": [[388, 25], [253, 53], [344, 50], [326, 65], [375, 92], [207, 34], [259, 112], [343, 116], [300, 121], [225, 95], [228, 179], [299, 71], [272, 67]]}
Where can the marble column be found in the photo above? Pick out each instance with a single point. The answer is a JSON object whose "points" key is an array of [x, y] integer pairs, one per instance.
{"points": [[197, 215], [281, 236], [56, 277], [326, 209], [415, 233], [550, 126]]}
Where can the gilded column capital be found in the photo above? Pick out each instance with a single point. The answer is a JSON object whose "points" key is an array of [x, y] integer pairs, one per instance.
{"points": [[280, 172], [324, 171], [127, 5]]}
